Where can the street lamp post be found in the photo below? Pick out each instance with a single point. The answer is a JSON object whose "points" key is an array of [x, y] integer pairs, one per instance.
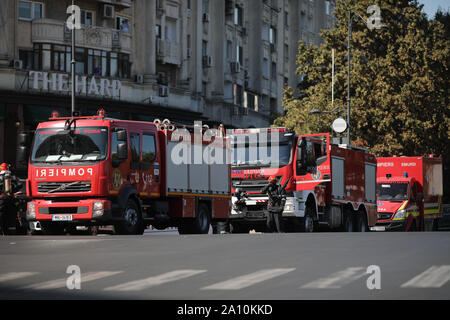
{"points": [[72, 62], [348, 72]]}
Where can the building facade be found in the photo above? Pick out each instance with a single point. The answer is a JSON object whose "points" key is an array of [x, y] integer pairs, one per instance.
{"points": [[210, 60]]}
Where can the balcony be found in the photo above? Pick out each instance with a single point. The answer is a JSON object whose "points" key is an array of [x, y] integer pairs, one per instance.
{"points": [[54, 31], [118, 3], [168, 52]]}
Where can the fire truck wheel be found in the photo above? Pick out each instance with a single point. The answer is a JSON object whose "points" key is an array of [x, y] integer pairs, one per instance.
{"points": [[348, 221], [202, 221], [307, 223], [362, 225], [93, 230], [221, 227], [132, 220]]}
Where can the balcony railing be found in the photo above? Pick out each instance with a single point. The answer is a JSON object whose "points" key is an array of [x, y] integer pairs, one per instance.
{"points": [[55, 31], [168, 52], [120, 3]]}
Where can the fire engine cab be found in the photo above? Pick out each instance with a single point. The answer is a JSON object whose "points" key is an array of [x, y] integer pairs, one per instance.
{"points": [[409, 193], [326, 184], [94, 171]]}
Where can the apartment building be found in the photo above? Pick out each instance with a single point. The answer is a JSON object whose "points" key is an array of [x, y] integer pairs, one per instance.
{"points": [[218, 61]]}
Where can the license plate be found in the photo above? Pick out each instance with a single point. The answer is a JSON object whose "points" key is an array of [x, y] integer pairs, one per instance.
{"points": [[63, 217], [378, 228]]}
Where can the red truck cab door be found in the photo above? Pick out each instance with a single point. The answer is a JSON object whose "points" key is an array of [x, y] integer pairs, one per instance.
{"points": [[144, 165], [312, 159]]}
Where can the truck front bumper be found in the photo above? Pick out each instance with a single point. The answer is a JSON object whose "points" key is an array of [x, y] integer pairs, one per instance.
{"points": [[76, 212], [389, 225]]}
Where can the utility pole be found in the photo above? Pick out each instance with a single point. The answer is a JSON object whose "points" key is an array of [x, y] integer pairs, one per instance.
{"points": [[348, 72], [72, 63]]}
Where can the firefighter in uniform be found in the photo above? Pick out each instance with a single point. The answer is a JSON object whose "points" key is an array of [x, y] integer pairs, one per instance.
{"points": [[9, 184], [275, 204]]}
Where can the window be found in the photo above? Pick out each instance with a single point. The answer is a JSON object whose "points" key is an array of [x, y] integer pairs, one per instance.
{"points": [[240, 55], [265, 32], [114, 144], [135, 150], [238, 16], [204, 48], [27, 59], [59, 58], [327, 7], [286, 19], [123, 23], [274, 71], [124, 66], [95, 62], [88, 61], [148, 150], [171, 30], [266, 71], [273, 35], [205, 89], [205, 6], [158, 31], [229, 50], [87, 17], [80, 60], [29, 10], [238, 93]]}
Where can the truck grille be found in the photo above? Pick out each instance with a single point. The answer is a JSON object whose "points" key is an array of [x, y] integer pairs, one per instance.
{"points": [[384, 216], [250, 185], [64, 187]]}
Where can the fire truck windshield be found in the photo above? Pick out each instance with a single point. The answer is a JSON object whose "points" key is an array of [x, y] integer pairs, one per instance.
{"points": [[393, 191], [256, 156], [82, 144]]}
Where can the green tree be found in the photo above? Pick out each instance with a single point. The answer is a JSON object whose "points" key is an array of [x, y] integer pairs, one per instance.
{"points": [[399, 81]]}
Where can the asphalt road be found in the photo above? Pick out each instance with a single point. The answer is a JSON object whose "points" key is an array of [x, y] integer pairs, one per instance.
{"points": [[165, 265]]}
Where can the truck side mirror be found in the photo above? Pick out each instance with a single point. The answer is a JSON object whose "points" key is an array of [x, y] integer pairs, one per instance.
{"points": [[122, 135], [122, 151]]}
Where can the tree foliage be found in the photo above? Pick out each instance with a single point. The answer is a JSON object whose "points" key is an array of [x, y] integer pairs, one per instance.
{"points": [[399, 80]]}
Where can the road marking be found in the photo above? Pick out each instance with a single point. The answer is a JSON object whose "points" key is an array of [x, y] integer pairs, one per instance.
{"points": [[61, 283], [433, 277], [143, 284], [15, 275], [248, 279], [338, 279]]}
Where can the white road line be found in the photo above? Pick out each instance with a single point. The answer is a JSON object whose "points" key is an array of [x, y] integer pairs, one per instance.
{"points": [[433, 277], [143, 284], [338, 279], [61, 283], [248, 279], [15, 275]]}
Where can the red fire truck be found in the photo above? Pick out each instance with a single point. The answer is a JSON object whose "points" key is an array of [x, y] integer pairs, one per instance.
{"points": [[95, 171], [409, 193], [326, 184]]}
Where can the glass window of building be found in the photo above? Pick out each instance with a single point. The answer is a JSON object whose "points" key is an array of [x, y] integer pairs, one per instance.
{"points": [[29, 10], [87, 17]]}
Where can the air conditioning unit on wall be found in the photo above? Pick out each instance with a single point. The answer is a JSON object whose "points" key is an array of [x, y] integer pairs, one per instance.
{"points": [[108, 11], [18, 64], [235, 67]]}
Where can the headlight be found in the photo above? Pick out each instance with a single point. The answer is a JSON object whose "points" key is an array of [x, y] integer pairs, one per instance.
{"points": [[98, 205], [400, 214], [98, 209], [31, 212]]}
